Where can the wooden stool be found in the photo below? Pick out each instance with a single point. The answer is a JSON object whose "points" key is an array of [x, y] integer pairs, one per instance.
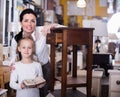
{"points": [[74, 37]]}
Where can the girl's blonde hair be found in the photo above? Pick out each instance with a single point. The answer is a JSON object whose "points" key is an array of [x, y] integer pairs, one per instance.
{"points": [[26, 38]]}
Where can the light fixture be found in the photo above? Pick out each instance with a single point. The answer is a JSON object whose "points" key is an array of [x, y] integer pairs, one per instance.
{"points": [[81, 3], [113, 36], [12, 31], [113, 26]]}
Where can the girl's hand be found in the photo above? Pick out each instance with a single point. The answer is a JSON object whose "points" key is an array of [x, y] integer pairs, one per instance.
{"points": [[23, 85], [40, 79]]}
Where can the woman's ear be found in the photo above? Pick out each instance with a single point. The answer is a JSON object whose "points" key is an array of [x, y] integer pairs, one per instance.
{"points": [[19, 49]]}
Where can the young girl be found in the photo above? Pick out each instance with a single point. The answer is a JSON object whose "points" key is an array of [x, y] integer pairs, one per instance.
{"points": [[26, 68]]}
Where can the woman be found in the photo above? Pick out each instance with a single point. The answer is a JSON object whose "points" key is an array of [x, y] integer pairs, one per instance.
{"points": [[28, 26]]}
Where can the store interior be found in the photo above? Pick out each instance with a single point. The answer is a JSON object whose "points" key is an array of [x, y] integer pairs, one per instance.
{"points": [[101, 17]]}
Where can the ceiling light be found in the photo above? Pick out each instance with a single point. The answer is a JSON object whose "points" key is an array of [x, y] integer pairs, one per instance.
{"points": [[81, 3]]}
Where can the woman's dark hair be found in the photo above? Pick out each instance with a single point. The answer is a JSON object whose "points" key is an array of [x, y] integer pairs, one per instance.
{"points": [[27, 11]]}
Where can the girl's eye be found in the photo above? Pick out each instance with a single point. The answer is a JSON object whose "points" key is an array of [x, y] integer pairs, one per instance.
{"points": [[23, 47], [29, 47]]}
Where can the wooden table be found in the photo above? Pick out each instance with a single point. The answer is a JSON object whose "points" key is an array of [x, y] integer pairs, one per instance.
{"points": [[74, 37], [3, 93], [4, 75]]}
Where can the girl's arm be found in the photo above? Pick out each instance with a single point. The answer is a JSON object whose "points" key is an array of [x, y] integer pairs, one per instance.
{"points": [[14, 80], [40, 74]]}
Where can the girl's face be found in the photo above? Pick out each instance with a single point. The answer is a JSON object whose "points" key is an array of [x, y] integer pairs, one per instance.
{"points": [[26, 48], [28, 23]]}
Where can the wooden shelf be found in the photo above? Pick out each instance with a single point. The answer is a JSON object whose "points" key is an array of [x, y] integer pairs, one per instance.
{"points": [[73, 82], [33, 3]]}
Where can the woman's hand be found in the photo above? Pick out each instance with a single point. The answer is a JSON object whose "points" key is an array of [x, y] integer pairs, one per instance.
{"points": [[12, 67], [46, 28]]}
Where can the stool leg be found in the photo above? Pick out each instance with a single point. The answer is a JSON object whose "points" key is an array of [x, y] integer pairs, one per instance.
{"points": [[64, 69]]}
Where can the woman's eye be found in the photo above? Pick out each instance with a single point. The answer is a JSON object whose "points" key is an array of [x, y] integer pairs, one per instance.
{"points": [[25, 20], [33, 21]]}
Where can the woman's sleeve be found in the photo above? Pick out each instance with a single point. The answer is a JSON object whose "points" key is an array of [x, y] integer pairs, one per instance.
{"points": [[13, 51], [40, 44], [40, 40], [14, 80]]}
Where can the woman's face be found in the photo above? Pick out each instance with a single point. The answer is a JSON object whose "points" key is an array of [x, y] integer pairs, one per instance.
{"points": [[28, 23]]}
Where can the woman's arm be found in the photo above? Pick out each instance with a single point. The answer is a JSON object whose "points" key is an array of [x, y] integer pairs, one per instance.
{"points": [[40, 36], [40, 40]]}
